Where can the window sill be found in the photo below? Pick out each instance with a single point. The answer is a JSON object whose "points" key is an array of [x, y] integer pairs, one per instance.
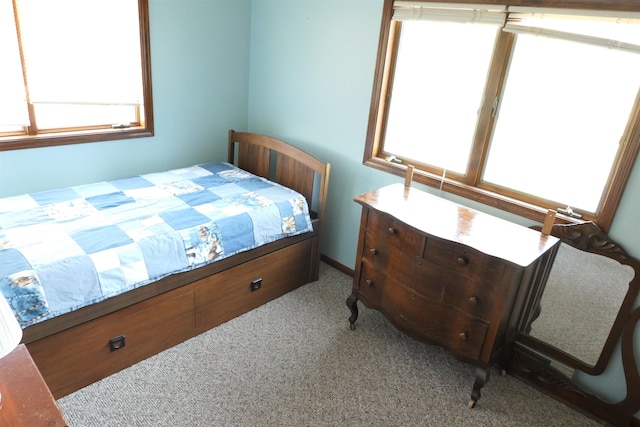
{"points": [[494, 200], [75, 137]]}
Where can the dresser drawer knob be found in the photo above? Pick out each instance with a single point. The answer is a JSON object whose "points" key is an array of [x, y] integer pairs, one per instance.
{"points": [[463, 336], [391, 230], [373, 251], [117, 343], [473, 300], [463, 260], [369, 282], [256, 284]]}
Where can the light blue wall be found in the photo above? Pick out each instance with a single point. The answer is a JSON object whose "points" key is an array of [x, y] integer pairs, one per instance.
{"points": [[300, 70], [200, 65], [311, 74]]}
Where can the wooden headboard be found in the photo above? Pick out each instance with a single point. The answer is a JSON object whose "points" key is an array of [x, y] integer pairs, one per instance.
{"points": [[283, 163]]}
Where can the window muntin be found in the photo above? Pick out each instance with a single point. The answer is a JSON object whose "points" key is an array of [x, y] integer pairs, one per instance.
{"points": [[472, 184], [13, 105], [84, 72]]}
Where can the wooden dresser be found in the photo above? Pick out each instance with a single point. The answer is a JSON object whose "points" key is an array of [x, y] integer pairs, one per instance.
{"points": [[446, 274], [26, 399]]}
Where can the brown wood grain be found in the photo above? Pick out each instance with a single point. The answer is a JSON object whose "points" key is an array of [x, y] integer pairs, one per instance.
{"points": [[224, 296], [448, 275], [77, 357], [26, 399]]}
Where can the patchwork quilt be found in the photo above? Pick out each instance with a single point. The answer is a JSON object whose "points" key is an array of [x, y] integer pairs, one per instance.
{"points": [[64, 249]]}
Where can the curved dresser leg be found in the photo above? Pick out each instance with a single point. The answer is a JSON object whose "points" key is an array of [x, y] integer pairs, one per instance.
{"points": [[352, 303], [482, 377]]}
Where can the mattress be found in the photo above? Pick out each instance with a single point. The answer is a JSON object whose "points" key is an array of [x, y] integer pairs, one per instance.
{"points": [[68, 248]]}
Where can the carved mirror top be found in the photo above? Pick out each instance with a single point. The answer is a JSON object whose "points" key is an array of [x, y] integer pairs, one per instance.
{"points": [[589, 237]]}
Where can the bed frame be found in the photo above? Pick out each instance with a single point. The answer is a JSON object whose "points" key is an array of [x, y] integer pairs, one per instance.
{"points": [[78, 348]]}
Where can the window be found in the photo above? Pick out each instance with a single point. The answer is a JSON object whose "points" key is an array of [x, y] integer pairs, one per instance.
{"points": [[521, 108], [73, 71]]}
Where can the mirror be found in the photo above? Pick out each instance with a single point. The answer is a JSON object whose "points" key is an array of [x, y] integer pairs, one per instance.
{"points": [[574, 323], [580, 302]]}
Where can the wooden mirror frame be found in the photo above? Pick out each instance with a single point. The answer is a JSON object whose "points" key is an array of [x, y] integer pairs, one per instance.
{"points": [[532, 358]]}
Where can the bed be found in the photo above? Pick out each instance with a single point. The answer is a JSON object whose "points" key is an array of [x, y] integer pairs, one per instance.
{"points": [[102, 276]]}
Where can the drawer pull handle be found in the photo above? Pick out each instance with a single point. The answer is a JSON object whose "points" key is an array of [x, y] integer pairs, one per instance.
{"points": [[463, 260], [473, 300], [463, 336], [117, 343], [256, 284], [369, 282], [391, 230], [373, 251]]}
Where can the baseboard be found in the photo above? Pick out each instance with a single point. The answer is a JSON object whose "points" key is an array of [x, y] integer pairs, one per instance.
{"points": [[335, 264]]}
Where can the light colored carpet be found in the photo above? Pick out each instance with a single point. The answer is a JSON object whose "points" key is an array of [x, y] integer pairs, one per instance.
{"points": [[295, 362]]}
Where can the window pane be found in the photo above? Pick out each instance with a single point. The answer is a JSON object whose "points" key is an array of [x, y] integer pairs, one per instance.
{"points": [[13, 99], [52, 116], [82, 52], [437, 90], [564, 110]]}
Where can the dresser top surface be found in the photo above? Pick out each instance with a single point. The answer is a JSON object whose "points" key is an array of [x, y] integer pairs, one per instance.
{"points": [[26, 400], [454, 222]]}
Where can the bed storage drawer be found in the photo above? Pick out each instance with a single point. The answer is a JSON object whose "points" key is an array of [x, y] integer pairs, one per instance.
{"points": [[237, 290], [79, 356]]}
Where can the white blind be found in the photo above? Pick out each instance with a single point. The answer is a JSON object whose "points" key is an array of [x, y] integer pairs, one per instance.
{"points": [[578, 38], [449, 12], [612, 31], [82, 52]]}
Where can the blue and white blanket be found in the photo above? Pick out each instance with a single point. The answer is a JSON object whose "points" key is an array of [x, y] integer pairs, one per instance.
{"points": [[64, 249]]}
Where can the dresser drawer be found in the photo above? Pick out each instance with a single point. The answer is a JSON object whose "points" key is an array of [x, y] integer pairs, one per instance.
{"points": [[441, 324], [393, 232], [412, 271], [462, 259], [476, 298], [237, 290], [147, 327], [474, 295], [371, 286]]}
